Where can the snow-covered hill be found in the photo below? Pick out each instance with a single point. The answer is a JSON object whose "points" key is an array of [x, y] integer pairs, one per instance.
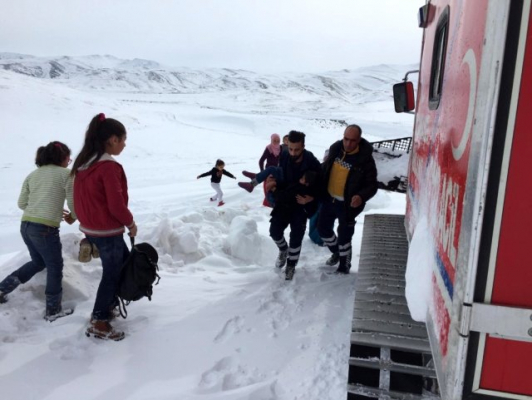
{"points": [[223, 324], [109, 73]]}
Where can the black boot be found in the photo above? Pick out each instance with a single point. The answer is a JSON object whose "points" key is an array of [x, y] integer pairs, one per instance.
{"points": [[333, 259], [52, 315], [345, 265], [281, 259], [290, 271]]}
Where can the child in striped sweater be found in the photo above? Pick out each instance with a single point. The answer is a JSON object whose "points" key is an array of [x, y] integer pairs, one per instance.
{"points": [[42, 198]]}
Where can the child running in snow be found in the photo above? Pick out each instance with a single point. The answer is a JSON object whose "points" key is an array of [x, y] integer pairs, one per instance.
{"points": [[42, 198], [101, 201], [216, 176]]}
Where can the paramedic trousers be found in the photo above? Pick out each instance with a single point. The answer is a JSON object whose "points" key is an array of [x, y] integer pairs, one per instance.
{"points": [[298, 225]]}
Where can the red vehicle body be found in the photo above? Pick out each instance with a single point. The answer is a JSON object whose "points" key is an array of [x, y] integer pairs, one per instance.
{"points": [[468, 177]]}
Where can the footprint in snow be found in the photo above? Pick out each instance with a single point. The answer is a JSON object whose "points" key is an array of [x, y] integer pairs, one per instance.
{"points": [[231, 328]]}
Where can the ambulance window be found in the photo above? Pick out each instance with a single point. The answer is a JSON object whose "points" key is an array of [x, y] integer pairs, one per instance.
{"points": [[438, 60]]}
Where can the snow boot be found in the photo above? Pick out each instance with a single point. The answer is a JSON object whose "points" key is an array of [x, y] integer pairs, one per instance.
{"points": [[249, 175], [247, 186], [213, 198], [9, 284], [345, 265], [333, 259], [289, 271], [51, 317], [103, 330], [85, 251], [281, 258], [221, 203]]}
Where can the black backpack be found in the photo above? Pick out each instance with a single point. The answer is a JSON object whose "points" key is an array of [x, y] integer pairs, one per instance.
{"points": [[138, 275]]}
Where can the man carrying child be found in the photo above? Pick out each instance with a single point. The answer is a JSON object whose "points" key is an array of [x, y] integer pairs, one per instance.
{"points": [[294, 187]]}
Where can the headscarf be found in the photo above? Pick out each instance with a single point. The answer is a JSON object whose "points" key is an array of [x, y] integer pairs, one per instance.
{"points": [[275, 149]]}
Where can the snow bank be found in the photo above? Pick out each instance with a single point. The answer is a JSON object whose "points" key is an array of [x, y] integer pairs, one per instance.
{"points": [[421, 264]]}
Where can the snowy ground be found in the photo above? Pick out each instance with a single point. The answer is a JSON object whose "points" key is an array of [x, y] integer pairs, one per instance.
{"points": [[223, 323]]}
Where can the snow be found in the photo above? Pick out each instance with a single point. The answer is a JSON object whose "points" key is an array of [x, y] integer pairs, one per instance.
{"points": [[223, 323], [419, 269]]}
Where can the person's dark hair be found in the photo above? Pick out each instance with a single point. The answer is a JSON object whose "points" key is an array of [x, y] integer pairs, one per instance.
{"points": [[310, 177], [296, 137], [219, 162], [100, 129], [53, 153], [354, 126]]}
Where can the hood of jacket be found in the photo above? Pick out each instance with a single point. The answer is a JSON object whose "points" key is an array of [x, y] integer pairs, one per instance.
{"points": [[87, 170]]}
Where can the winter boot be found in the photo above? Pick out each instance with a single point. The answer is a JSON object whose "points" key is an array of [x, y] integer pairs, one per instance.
{"points": [[95, 251], [9, 284], [221, 203], [85, 251], [345, 265], [290, 271], [333, 259], [249, 175], [342, 270], [52, 316], [213, 199], [247, 186], [103, 330], [281, 258]]}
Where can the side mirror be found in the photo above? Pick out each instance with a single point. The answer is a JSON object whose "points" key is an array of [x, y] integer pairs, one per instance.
{"points": [[403, 97]]}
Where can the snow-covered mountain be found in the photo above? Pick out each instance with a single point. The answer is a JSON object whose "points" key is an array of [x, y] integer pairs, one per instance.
{"points": [[223, 323], [108, 73]]}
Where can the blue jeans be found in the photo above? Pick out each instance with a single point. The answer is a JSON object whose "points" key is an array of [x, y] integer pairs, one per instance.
{"points": [[44, 246], [313, 228], [277, 173], [113, 253]]}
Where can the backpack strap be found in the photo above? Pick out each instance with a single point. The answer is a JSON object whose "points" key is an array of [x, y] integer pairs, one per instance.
{"points": [[122, 307], [121, 303]]}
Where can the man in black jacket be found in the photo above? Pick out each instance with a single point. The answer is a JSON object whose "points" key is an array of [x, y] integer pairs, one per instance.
{"points": [[294, 164], [350, 178]]}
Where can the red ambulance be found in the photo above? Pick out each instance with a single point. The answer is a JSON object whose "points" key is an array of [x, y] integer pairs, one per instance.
{"points": [[469, 175]]}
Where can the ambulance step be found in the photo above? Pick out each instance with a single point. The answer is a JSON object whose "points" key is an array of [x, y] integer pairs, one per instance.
{"points": [[366, 393], [390, 355]]}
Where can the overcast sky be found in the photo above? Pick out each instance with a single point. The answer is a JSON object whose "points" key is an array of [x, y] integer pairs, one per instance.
{"points": [[259, 35]]}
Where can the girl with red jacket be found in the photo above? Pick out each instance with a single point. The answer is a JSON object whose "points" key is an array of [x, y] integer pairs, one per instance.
{"points": [[101, 205]]}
